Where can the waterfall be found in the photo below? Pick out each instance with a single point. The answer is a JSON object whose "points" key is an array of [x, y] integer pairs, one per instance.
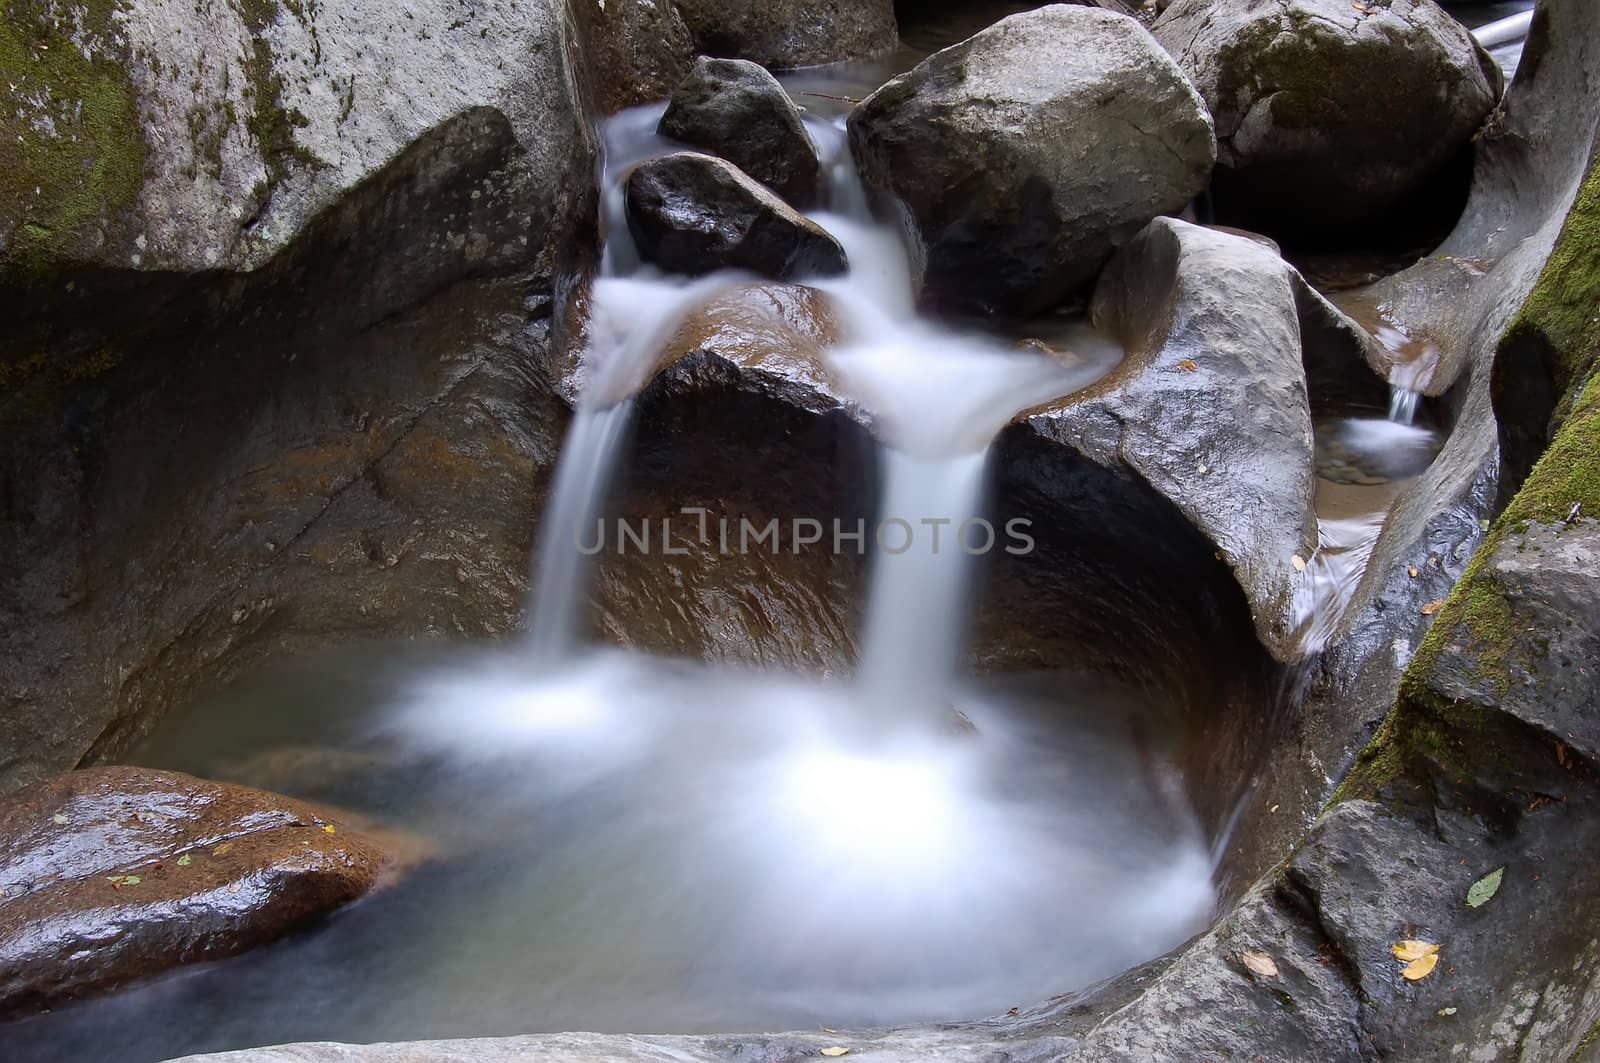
{"points": [[917, 604], [588, 457]]}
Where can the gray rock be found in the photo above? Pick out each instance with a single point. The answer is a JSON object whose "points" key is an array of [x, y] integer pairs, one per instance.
{"points": [[211, 143], [692, 213], [1025, 155], [790, 33], [735, 109], [1327, 114], [1210, 406]]}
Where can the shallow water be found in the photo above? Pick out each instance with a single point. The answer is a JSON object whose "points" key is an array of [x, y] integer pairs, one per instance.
{"points": [[641, 845]]}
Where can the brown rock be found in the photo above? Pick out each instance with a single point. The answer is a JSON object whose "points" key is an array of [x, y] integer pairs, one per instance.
{"points": [[111, 874]]}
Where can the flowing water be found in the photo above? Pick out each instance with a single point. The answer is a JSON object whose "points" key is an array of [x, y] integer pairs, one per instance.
{"points": [[618, 842]]}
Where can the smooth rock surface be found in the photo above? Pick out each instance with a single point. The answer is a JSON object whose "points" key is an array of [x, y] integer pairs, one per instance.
{"points": [[790, 33], [1210, 406], [111, 874], [1025, 155], [735, 109], [1328, 113], [692, 213]]}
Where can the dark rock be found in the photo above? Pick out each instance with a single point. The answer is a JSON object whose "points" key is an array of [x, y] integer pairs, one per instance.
{"points": [[111, 874], [634, 51], [1024, 156], [1328, 114], [735, 109], [692, 213], [790, 33]]}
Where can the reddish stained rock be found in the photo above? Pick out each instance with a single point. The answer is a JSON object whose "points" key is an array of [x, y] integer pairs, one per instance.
{"points": [[110, 874]]}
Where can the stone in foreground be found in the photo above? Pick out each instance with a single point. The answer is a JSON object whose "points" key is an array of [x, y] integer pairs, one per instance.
{"points": [[691, 213], [735, 109], [111, 874], [1026, 155], [1326, 112]]}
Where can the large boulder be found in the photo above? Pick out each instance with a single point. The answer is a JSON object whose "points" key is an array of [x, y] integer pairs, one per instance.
{"points": [[110, 874], [735, 109], [1024, 156], [1328, 113], [1210, 407], [346, 245], [691, 213], [790, 33], [159, 138]]}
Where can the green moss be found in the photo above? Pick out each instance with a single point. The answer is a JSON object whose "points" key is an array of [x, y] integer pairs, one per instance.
{"points": [[1424, 731], [1568, 473], [1564, 309], [269, 122], [71, 148]]}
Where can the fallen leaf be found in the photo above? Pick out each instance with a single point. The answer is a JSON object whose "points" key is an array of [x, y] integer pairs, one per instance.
{"points": [[1433, 607], [1298, 562], [1411, 570], [131, 880], [1479, 892], [1447, 1012], [1409, 950], [224, 847], [1187, 365], [836, 1050], [327, 828], [1013, 1011], [1260, 964], [1420, 967], [827, 1029], [59, 818], [236, 887], [185, 860], [114, 879]]}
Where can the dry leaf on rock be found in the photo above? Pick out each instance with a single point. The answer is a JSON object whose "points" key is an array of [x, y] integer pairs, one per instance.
{"points": [[1260, 964]]}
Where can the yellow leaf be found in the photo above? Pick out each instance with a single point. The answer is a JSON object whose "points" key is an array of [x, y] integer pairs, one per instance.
{"points": [[1409, 950], [1433, 607], [1260, 964], [1411, 570], [185, 860], [327, 828], [1421, 967], [1187, 365], [836, 1050], [224, 847]]}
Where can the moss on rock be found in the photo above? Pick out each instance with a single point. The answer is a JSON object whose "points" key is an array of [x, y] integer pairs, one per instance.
{"points": [[71, 148], [1426, 730]]}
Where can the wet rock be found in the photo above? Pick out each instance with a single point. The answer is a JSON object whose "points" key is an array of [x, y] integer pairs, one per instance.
{"points": [[692, 213], [790, 33], [1326, 113], [634, 51], [735, 109], [303, 498], [741, 420], [1024, 156], [1210, 406], [166, 143], [111, 874]]}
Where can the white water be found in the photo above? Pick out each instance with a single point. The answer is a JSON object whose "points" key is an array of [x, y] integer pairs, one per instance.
{"points": [[629, 843]]}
